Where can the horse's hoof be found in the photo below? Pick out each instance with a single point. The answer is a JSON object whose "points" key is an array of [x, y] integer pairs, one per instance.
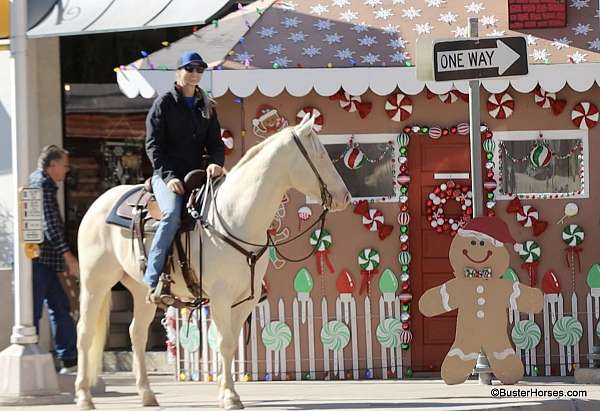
{"points": [[149, 401], [86, 404], [231, 404]]}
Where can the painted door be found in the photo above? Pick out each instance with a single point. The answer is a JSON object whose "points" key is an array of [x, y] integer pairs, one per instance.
{"points": [[433, 162]]}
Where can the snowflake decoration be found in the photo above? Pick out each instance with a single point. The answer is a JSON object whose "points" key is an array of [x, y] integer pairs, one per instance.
{"points": [[287, 5], [319, 9], [540, 55], [561, 43], [324, 25], [448, 18], [435, 3], [290, 22], [311, 51], [496, 33], [244, 56], [282, 61], [579, 4], [531, 40], [395, 2], [383, 14], [460, 31], [489, 21], [267, 32], [367, 41], [411, 13], [423, 28], [370, 58], [344, 54], [399, 57], [391, 29], [274, 49], [595, 44], [398, 43], [297, 36], [359, 28], [340, 3], [577, 57], [474, 7], [348, 16], [582, 29], [333, 38], [372, 3]]}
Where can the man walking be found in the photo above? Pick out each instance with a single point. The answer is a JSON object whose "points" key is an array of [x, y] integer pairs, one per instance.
{"points": [[53, 165]]}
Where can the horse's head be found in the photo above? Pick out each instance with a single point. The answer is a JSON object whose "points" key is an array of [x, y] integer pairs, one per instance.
{"points": [[305, 179]]}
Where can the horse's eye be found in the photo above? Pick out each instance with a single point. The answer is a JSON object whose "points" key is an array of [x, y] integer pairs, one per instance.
{"points": [[481, 243], [473, 242]]}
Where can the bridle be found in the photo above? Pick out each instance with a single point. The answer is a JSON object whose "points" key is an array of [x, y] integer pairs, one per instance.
{"points": [[253, 256]]}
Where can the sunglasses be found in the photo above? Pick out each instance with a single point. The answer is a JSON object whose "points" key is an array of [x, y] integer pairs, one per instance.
{"points": [[190, 68]]}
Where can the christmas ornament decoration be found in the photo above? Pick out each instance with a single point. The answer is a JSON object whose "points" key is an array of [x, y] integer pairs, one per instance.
{"points": [[548, 100], [435, 132], [373, 219], [529, 252], [335, 335], [463, 129], [276, 335], [354, 158], [315, 113], [368, 260], [352, 104], [189, 336], [388, 332], [540, 155], [437, 200], [526, 334], [267, 121], [322, 242], [567, 331], [593, 280], [398, 107], [585, 115], [227, 139], [500, 105]]}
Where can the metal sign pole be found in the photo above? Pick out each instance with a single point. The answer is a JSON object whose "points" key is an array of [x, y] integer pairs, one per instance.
{"points": [[482, 368]]}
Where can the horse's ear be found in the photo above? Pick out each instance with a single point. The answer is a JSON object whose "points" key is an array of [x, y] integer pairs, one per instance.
{"points": [[304, 128], [304, 119]]}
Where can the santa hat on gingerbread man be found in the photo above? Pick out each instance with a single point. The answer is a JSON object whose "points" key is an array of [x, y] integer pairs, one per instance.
{"points": [[488, 229]]}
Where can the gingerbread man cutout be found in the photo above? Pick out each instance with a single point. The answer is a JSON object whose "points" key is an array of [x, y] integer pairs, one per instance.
{"points": [[478, 257]]}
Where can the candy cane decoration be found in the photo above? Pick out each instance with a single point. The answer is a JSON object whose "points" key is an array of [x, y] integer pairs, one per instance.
{"points": [[398, 107], [585, 115], [316, 114], [500, 106]]}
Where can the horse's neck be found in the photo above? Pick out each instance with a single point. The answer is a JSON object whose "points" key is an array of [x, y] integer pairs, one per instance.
{"points": [[252, 193]]}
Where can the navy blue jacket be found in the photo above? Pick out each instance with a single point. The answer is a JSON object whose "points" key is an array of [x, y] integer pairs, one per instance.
{"points": [[177, 136]]}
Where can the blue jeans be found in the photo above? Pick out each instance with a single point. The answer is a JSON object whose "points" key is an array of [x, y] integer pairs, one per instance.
{"points": [[170, 206], [47, 287]]}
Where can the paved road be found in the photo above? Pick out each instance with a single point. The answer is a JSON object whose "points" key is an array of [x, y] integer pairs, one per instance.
{"points": [[339, 395]]}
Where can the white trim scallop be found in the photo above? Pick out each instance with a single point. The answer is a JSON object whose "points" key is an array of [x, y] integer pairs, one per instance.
{"points": [[381, 80]]}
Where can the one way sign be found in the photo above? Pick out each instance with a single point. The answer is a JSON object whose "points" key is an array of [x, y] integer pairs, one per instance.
{"points": [[479, 58]]}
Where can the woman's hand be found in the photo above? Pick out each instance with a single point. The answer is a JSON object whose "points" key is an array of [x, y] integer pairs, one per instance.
{"points": [[176, 186], [214, 170]]}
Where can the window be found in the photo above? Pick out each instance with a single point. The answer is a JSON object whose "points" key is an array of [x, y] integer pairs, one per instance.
{"points": [[375, 179], [541, 164]]}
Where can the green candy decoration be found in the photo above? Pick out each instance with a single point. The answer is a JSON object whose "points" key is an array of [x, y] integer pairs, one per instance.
{"points": [[213, 337], [526, 334], [405, 346], [567, 331], [303, 282], [388, 332], [489, 145], [409, 372], [403, 151], [189, 337], [404, 258], [388, 283], [510, 275], [335, 335], [403, 139], [404, 229], [489, 156], [276, 335], [405, 308]]}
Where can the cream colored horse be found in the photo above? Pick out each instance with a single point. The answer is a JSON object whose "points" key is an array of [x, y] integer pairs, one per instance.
{"points": [[247, 202]]}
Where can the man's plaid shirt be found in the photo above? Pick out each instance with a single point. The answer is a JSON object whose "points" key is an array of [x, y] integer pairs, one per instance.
{"points": [[54, 230]]}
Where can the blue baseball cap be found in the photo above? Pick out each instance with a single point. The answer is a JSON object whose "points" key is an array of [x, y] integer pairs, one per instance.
{"points": [[191, 57]]}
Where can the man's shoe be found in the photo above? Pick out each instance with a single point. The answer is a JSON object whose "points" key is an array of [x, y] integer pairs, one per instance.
{"points": [[68, 367], [263, 294]]}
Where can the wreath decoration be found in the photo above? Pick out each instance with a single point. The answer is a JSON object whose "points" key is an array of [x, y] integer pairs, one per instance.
{"points": [[439, 197]]}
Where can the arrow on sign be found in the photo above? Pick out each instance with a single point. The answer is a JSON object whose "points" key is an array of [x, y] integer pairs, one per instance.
{"points": [[500, 57]]}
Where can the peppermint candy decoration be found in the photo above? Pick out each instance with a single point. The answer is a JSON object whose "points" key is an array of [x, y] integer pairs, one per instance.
{"points": [[543, 98], [352, 103], [276, 335], [315, 113], [500, 105], [189, 337], [567, 331], [529, 251], [403, 139], [354, 158], [585, 115], [435, 132], [526, 334], [368, 259], [335, 335], [388, 332], [227, 139], [540, 155], [452, 97], [398, 107], [325, 242], [573, 235], [304, 213], [374, 220], [527, 215], [463, 129]]}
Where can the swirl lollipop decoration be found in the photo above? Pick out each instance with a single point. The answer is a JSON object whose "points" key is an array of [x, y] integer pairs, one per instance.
{"points": [[368, 260], [276, 335], [389, 331], [335, 335], [530, 252], [567, 331], [323, 242], [573, 236], [526, 334]]}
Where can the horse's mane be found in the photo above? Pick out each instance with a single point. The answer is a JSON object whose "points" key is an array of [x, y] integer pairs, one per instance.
{"points": [[254, 150]]}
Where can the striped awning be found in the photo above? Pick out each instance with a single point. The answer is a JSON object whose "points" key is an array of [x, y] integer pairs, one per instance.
{"points": [[73, 17]]}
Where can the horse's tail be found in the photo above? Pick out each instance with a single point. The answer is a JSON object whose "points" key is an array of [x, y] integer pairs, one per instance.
{"points": [[98, 340]]}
